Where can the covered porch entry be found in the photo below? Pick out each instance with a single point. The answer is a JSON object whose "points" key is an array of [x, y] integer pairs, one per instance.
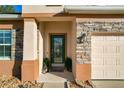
{"points": [[51, 37], [56, 41]]}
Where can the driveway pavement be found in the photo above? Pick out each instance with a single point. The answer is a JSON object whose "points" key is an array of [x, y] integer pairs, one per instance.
{"points": [[108, 83]]}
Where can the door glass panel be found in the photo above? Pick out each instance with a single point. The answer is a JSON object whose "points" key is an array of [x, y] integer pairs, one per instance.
{"points": [[58, 49]]}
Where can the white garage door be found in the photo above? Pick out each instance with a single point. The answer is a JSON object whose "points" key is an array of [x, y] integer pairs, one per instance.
{"points": [[107, 57]]}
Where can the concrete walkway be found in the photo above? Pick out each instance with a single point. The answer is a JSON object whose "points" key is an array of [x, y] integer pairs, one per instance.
{"points": [[53, 85], [55, 79], [108, 83]]}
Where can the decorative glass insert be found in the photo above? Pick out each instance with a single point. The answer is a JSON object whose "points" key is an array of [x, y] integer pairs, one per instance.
{"points": [[5, 44], [58, 50]]}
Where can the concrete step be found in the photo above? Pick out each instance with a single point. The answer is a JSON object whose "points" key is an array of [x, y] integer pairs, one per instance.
{"points": [[57, 65]]}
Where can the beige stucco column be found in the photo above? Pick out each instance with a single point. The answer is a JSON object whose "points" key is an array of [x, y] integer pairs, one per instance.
{"points": [[30, 40], [30, 65]]}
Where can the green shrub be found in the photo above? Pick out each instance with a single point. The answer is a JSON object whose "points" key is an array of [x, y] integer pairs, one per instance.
{"points": [[47, 63], [68, 64]]}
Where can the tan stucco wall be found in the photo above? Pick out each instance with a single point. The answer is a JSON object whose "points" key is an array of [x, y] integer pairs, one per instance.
{"points": [[41, 9], [8, 67], [83, 72], [30, 70]]}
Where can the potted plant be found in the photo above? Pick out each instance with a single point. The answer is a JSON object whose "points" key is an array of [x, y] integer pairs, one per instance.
{"points": [[68, 64], [46, 65]]}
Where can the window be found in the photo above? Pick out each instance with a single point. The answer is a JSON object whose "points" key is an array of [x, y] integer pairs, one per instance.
{"points": [[5, 44]]}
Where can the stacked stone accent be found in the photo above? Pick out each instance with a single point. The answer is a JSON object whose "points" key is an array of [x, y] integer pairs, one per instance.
{"points": [[84, 29], [13, 45], [17, 45]]}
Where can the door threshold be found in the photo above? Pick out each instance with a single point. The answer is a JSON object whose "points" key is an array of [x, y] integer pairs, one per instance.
{"points": [[56, 64]]}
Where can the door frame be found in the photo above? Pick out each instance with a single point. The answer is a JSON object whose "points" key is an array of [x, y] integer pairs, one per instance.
{"points": [[64, 47]]}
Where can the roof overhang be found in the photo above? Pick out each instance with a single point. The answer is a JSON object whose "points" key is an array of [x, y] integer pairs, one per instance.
{"points": [[80, 9], [10, 17]]}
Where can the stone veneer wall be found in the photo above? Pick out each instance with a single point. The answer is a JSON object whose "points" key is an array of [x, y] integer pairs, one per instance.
{"points": [[17, 51], [17, 45], [84, 29]]}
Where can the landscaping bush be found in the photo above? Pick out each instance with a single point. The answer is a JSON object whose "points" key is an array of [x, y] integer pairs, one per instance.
{"points": [[68, 64], [46, 64]]}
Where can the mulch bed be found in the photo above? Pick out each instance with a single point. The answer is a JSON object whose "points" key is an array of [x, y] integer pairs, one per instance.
{"points": [[80, 84], [73, 84], [13, 82]]}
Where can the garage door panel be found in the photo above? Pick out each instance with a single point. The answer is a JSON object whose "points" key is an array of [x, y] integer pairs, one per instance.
{"points": [[105, 67], [97, 43], [120, 43], [120, 38], [97, 50], [120, 61], [110, 38], [110, 49], [108, 57], [120, 56], [103, 72], [99, 38], [102, 43], [109, 74], [97, 61], [97, 74], [121, 49], [120, 67], [94, 56], [110, 61], [120, 74]]}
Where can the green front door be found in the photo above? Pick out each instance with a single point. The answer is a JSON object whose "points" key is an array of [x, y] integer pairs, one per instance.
{"points": [[57, 49]]}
